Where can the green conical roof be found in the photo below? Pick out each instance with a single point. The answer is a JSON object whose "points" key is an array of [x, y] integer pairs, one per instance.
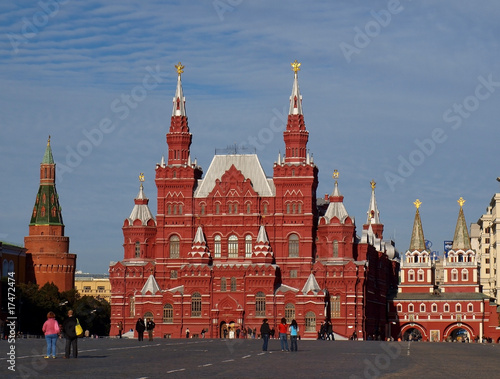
{"points": [[47, 157], [47, 210]]}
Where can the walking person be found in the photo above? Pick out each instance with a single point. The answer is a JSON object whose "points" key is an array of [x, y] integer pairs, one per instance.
{"points": [[187, 332], [264, 332], [294, 333], [150, 325], [120, 328], [140, 327], [69, 326], [51, 330], [329, 331], [282, 328]]}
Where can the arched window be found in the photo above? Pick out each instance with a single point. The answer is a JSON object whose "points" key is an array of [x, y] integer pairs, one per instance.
{"points": [[217, 208], [265, 208], [148, 315], [420, 277], [410, 308], [400, 308], [446, 307], [335, 306], [137, 249], [465, 275], [335, 249], [288, 208], [174, 247], [260, 304], [168, 313], [230, 208], [232, 246], [422, 307], [411, 276], [169, 209], [299, 206], [458, 308], [217, 246], [454, 275], [310, 322], [248, 208], [233, 284], [248, 246], [180, 209], [294, 206], [470, 307], [196, 305], [434, 308], [223, 284], [5, 267], [293, 245], [289, 312], [202, 209]]}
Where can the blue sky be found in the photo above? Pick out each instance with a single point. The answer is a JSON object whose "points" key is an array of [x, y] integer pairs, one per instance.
{"points": [[402, 92]]}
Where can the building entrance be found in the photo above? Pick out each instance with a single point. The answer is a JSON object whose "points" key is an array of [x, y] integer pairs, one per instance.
{"points": [[412, 334]]}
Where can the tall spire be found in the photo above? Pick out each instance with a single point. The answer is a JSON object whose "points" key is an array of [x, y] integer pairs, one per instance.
{"points": [[179, 138], [179, 108], [295, 97], [461, 240], [373, 215], [296, 135], [47, 157], [417, 235]]}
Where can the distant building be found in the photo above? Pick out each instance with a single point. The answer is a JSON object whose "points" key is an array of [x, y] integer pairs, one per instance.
{"points": [[95, 285], [234, 247], [48, 257], [486, 237], [441, 300]]}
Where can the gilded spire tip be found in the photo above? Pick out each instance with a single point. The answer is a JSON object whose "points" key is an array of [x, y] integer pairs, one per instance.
{"points": [[180, 68], [417, 203], [461, 201], [373, 184], [48, 141], [295, 66], [141, 177]]}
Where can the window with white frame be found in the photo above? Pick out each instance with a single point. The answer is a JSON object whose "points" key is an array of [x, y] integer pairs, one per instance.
{"points": [[232, 246], [248, 246], [217, 246]]}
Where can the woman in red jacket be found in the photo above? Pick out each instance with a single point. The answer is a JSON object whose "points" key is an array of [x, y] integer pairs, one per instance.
{"points": [[283, 329]]}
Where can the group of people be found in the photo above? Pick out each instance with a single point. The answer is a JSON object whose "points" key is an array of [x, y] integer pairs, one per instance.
{"points": [[326, 331], [283, 329], [141, 326], [52, 330]]}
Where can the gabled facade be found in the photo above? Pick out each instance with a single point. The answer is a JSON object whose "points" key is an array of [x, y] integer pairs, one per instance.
{"points": [[235, 246], [450, 309]]}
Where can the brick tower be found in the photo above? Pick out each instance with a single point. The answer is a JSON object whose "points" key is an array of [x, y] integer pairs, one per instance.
{"points": [[48, 254]]}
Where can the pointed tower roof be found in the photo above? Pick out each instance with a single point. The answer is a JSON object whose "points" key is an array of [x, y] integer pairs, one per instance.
{"points": [[47, 210], [311, 285], [262, 249], [179, 108], [373, 215], [461, 240], [336, 207], [295, 97], [141, 209], [417, 235], [47, 157], [199, 250], [151, 286]]}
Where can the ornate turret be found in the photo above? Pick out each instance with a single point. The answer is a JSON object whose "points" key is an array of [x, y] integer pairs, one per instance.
{"points": [[139, 229], [179, 138], [48, 248], [295, 135]]}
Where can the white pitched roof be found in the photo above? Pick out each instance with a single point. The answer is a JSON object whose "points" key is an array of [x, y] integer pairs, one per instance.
{"points": [[248, 164], [336, 208], [141, 211], [150, 286], [311, 285]]}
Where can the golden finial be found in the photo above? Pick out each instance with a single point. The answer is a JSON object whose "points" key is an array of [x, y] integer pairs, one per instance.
{"points": [[141, 177], [335, 174], [295, 66], [372, 183], [180, 68], [461, 201], [417, 203], [48, 141]]}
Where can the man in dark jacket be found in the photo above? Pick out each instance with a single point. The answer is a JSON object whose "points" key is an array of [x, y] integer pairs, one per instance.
{"points": [[264, 332], [70, 334]]}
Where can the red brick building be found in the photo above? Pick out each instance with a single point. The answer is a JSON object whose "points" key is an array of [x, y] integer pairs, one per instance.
{"points": [[234, 246], [441, 300], [47, 257]]}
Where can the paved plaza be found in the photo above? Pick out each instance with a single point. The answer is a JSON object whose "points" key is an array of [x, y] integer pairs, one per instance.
{"points": [[207, 358]]}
